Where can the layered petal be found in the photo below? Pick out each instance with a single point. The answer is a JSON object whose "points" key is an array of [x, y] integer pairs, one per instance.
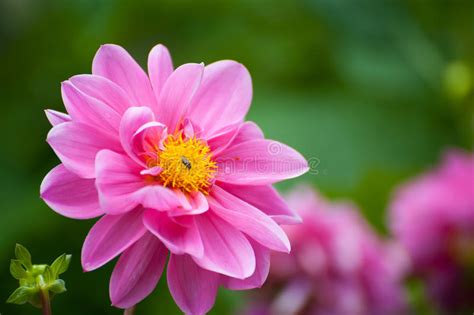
{"points": [[265, 198], [160, 67], [137, 271], [194, 289], [177, 93], [259, 162], [233, 135], [223, 138], [249, 131], [70, 195], [224, 96], [104, 90], [77, 144], [262, 268], [114, 63], [121, 187], [89, 110], [179, 239], [118, 178], [56, 118], [249, 220], [226, 250], [110, 236], [191, 204], [132, 121], [147, 139]]}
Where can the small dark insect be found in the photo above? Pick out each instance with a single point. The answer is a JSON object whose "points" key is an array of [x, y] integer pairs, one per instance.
{"points": [[186, 162]]}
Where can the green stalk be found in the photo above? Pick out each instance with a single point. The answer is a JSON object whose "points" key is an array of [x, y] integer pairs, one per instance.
{"points": [[45, 302]]}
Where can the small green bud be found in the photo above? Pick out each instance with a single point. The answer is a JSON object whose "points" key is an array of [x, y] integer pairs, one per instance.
{"points": [[36, 279], [37, 270]]}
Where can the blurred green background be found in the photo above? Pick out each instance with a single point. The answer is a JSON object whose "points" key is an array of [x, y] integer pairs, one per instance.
{"points": [[373, 91]]}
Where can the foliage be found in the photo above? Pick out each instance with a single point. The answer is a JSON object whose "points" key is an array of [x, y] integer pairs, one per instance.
{"points": [[36, 279]]}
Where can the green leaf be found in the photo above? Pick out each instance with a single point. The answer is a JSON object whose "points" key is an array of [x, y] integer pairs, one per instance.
{"points": [[60, 265], [17, 270], [22, 295], [23, 255], [58, 286]]}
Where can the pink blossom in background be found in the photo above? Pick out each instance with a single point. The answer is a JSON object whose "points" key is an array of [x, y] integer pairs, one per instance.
{"points": [[433, 217], [168, 163], [337, 266]]}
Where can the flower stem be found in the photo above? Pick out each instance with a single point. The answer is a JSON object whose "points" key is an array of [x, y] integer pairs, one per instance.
{"points": [[45, 302], [129, 311]]}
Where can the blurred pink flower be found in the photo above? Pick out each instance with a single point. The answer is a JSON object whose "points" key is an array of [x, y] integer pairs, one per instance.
{"points": [[433, 217], [337, 266], [168, 161]]}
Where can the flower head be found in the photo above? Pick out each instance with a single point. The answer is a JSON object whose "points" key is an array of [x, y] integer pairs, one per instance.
{"points": [[337, 266], [433, 217], [169, 163]]}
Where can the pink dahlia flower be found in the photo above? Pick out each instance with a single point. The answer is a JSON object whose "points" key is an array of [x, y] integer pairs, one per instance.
{"points": [[169, 163], [433, 217], [337, 266]]}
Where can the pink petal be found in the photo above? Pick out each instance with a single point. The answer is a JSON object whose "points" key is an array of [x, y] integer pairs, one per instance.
{"points": [[104, 90], [248, 132], [153, 171], [193, 288], [249, 220], [232, 135], [160, 67], [190, 129], [260, 162], [176, 95], [224, 96], [266, 199], [137, 272], [121, 187], [223, 138], [69, 195], [109, 237], [86, 109], [77, 144], [262, 268], [191, 204], [157, 197], [226, 250], [114, 63], [132, 120], [117, 179], [179, 239], [147, 138], [56, 118]]}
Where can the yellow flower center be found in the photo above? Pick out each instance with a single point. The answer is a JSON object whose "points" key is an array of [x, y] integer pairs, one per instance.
{"points": [[186, 164]]}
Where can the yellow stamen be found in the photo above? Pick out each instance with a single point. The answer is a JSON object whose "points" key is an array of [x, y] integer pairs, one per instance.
{"points": [[186, 164]]}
